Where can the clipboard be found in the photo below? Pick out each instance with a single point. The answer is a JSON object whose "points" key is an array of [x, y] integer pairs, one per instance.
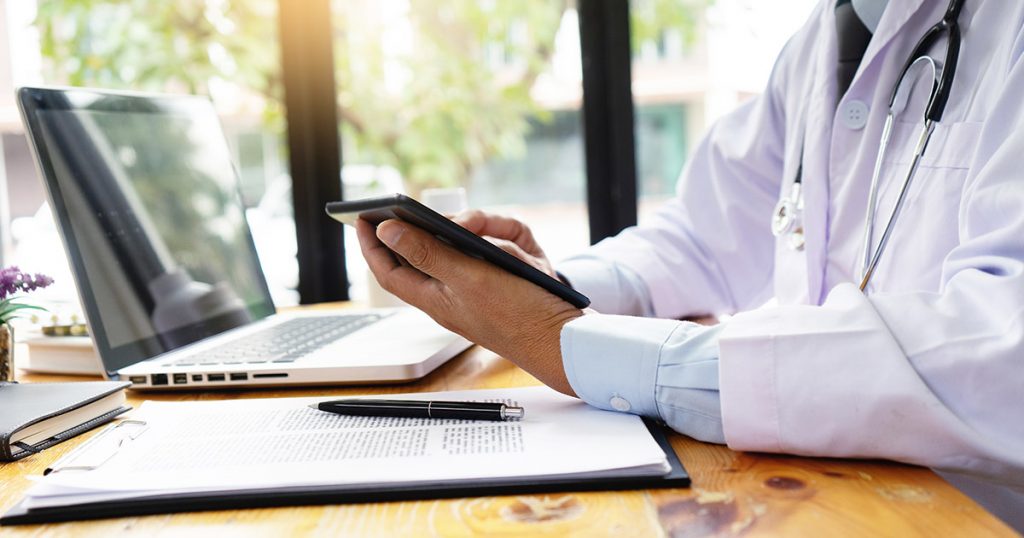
{"points": [[677, 477]]}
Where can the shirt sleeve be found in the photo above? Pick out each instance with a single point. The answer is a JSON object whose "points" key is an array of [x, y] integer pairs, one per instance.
{"points": [[611, 287], [658, 368]]}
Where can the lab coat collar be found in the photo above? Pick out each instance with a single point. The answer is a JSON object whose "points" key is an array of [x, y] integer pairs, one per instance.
{"points": [[896, 16]]}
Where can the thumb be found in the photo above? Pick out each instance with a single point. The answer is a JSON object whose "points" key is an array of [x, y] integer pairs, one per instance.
{"points": [[421, 249]]}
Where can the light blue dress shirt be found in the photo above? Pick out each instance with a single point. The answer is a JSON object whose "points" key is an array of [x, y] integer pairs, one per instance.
{"points": [[666, 369]]}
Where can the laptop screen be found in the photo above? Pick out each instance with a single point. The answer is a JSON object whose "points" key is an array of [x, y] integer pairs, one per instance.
{"points": [[147, 200]]}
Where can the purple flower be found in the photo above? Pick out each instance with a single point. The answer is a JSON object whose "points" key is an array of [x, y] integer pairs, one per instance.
{"points": [[13, 280], [9, 278], [41, 281]]}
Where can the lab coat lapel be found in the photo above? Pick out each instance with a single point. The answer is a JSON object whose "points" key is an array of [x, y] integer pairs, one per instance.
{"points": [[896, 16], [817, 142]]}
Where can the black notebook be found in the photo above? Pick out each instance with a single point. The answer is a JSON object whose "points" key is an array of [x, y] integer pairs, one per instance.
{"points": [[35, 416]]}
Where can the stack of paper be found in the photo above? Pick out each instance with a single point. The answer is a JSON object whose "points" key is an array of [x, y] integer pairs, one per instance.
{"points": [[239, 445], [62, 355]]}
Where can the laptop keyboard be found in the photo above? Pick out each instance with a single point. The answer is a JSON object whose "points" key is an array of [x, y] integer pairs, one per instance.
{"points": [[282, 343]]}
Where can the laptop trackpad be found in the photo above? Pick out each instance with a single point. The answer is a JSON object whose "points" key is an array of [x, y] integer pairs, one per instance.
{"points": [[409, 336]]}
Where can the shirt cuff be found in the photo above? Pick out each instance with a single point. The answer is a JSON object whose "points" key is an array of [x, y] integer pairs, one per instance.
{"points": [[611, 362]]}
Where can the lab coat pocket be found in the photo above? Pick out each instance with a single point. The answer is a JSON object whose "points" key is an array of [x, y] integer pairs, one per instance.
{"points": [[952, 145], [926, 229]]}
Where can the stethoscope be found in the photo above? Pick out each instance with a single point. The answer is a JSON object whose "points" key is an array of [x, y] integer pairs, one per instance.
{"points": [[787, 218]]}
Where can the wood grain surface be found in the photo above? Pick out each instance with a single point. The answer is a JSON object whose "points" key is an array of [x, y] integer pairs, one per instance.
{"points": [[733, 493]]}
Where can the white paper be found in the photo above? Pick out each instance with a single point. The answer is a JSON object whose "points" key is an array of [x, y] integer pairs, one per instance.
{"points": [[240, 444]]}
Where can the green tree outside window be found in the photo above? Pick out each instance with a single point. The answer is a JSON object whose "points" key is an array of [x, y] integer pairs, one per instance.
{"points": [[453, 110]]}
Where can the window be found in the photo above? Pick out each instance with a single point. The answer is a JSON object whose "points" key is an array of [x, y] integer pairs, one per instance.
{"points": [[479, 94], [693, 61]]}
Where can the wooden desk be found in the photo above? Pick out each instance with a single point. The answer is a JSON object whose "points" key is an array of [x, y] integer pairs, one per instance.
{"points": [[733, 493]]}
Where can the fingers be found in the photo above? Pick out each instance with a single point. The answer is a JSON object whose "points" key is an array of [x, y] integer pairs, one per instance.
{"points": [[515, 250], [426, 253], [473, 220], [498, 226], [385, 266], [376, 253]]}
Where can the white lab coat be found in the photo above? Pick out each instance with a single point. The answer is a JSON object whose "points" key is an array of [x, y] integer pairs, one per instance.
{"points": [[928, 367]]}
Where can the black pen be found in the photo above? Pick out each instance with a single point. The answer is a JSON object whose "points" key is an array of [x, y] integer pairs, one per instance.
{"points": [[421, 409]]}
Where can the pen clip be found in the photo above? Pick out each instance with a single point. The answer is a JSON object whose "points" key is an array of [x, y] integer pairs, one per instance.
{"points": [[101, 448]]}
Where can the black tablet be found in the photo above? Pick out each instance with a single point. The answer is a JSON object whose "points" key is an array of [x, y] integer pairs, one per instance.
{"points": [[398, 206]]}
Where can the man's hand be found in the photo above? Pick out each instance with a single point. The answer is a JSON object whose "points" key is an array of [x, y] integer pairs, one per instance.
{"points": [[502, 312]]}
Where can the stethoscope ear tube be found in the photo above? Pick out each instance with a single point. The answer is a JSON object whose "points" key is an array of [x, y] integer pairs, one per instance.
{"points": [[869, 219], [942, 83], [945, 86], [922, 144], [950, 28]]}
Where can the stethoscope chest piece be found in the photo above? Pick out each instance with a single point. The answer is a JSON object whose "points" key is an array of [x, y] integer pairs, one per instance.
{"points": [[787, 219]]}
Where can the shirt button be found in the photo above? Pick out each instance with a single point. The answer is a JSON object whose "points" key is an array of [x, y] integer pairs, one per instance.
{"points": [[854, 114], [620, 404]]}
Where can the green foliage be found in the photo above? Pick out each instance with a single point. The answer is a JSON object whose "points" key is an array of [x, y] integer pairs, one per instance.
{"points": [[649, 19], [453, 94], [175, 46], [456, 95], [9, 310]]}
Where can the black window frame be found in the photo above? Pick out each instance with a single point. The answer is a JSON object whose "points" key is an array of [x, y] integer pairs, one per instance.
{"points": [[608, 117], [314, 146]]}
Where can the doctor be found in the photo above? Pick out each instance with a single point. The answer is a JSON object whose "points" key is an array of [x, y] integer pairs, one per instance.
{"points": [[925, 365]]}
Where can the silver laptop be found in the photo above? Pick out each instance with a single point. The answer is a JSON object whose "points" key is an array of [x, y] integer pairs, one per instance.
{"points": [[148, 204]]}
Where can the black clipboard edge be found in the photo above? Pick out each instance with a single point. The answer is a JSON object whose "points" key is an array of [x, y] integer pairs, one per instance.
{"points": [[349, 494]]}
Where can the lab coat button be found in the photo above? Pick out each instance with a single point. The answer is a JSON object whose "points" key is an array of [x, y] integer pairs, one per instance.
{"points": [[854, 114], [620, 404]]}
